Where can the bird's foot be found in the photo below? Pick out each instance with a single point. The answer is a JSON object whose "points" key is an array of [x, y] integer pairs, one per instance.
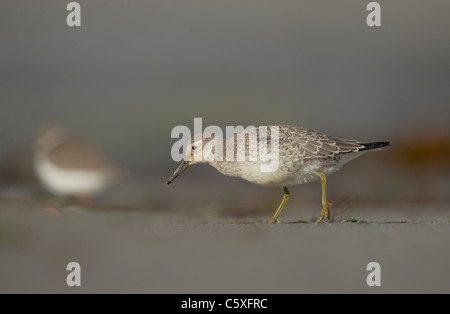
{"points": [[325, 212], [321, 219], [274, 221]]}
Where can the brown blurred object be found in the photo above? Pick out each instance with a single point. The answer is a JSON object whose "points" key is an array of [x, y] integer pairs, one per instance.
{"points": [[424, 150]]}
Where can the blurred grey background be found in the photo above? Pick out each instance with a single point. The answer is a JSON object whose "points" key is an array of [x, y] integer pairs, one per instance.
{"points": [[136, 69], [133, 71]]}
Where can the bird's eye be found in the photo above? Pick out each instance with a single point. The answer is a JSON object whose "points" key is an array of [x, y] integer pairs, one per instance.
{"points": [[194, 147]]}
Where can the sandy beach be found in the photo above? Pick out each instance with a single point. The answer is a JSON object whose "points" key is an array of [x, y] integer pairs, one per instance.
{"points": [[149, 253], [179, 239]]}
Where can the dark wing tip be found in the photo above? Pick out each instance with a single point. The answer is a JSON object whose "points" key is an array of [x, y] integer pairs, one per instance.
{"points": [[375, 145]]}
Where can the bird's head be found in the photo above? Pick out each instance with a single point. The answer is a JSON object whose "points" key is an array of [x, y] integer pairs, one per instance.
{"points": [[47, 138], [200, 149]]}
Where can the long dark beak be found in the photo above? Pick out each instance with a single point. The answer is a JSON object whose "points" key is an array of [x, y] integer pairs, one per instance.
{"points": [[183, 166]]}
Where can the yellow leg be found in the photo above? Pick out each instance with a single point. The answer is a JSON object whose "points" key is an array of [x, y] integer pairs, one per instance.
{"points": [[280, 208], [325, 204]]}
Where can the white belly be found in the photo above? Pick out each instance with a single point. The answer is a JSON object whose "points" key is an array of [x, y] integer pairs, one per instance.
{"points": [[294, 173], [282, 177], [69, 182]]}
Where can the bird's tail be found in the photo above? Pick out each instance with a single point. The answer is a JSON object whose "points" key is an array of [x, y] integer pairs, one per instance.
{"points": [[374, 145]]}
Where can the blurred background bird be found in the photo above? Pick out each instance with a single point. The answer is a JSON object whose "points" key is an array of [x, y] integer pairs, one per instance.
{"points": [[68, 166]]}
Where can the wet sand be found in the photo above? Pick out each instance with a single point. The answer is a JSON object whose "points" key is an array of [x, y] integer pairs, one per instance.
{"points": [[206, 234], [126, 252]]}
